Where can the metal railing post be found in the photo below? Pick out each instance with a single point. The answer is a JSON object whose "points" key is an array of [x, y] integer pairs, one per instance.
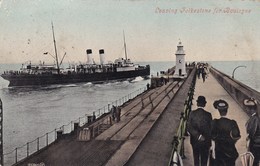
{"points": [[27, 149], [16, 155], [86, 119], [182, 140], [1, 134], [47, 139], [55, 134], [108, 107], [38, 144]]}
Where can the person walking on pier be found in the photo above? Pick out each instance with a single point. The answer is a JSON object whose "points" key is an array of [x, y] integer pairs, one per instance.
{"points": [[253, 129], [199, 126], [147, 86], [113, 112], [225, 133], [199, 70], [204, 73]]}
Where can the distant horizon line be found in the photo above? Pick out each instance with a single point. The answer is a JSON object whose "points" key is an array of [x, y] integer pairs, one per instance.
{"points": [[160, 61]]}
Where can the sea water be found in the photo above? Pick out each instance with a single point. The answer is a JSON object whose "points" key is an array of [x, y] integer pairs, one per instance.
{"points": [[32, 112], [248, 72]]}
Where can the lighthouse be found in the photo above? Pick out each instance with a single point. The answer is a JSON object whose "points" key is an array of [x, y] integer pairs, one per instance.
{"points": [[180, 68]]}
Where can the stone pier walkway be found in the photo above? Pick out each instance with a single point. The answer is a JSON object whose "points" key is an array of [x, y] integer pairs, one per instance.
{"points": [[145, 134], [212, 90]]}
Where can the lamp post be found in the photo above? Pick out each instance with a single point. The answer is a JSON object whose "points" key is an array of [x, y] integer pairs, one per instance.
{"points": [[1, 134], [235, 70]]}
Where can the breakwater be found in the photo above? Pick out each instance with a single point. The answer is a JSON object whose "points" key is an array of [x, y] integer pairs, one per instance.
{"points": [[95, 146], [40, 143], [236, 89], [162, 110]]}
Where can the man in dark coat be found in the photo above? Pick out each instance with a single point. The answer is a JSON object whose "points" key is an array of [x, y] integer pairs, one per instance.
{"points": [[199, 126], [225, 133], [113, 112], [253, 129]]}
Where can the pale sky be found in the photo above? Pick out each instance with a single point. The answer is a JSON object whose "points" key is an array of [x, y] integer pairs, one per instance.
{"points": [[152, 29]]}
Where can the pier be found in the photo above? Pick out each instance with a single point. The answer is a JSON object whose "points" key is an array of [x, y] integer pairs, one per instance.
{"points": [[151, 128], [212, 90]]}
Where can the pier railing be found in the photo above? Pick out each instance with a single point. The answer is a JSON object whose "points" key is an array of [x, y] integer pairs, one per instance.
{"points": [[1, 133], [21, 152], [178, 140]]}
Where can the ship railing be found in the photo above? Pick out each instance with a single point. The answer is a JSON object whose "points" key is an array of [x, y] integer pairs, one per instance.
{"points": [[177, 153], [34, 146]]}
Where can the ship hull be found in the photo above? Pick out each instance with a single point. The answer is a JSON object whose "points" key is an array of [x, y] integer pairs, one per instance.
{"points": [[44, 79]]}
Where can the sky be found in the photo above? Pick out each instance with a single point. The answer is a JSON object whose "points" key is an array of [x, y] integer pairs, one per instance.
{"points": [[210, 30]]}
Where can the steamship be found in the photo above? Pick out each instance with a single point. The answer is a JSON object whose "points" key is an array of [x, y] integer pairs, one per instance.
{"points": [[43, 74]]}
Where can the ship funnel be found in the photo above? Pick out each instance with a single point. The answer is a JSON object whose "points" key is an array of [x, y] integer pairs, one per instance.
{"points": [[102, 56], [89, 56]]}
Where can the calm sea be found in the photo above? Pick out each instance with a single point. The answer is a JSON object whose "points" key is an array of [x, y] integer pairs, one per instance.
{"points": [[32, 112]]}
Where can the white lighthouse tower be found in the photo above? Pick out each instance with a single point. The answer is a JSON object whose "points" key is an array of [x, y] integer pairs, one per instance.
{"points": [[180, 68]]}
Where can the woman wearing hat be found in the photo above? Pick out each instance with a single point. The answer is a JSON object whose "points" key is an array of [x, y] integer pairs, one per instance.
{"points": [[225, 133], [253, 129]]}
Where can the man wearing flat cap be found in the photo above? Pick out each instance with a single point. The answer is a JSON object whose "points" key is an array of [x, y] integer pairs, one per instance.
{"points": [[253, 129], [225, 133], [199, 126]]}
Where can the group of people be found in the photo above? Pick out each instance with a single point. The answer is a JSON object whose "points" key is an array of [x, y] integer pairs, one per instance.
{"points": [[115, 113], [219, 136], [202, 69]]}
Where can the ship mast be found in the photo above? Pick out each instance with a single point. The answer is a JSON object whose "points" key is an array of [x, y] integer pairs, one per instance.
{"points": [[56, 55], [125, 46]]}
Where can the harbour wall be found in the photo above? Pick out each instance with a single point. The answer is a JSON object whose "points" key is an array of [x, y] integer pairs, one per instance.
{"points": [[236, 89]]}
